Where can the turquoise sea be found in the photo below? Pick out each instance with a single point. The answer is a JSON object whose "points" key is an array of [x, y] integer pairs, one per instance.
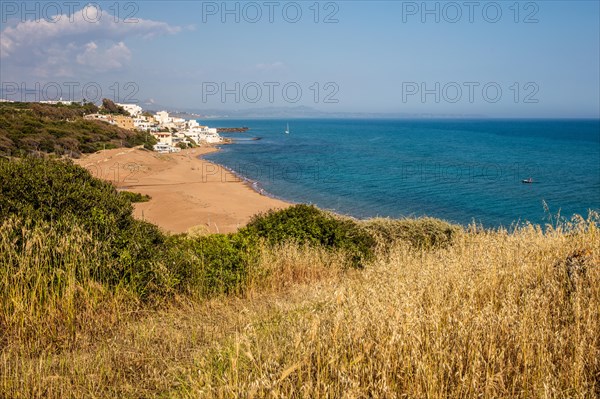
{"points": [[458, 170]]}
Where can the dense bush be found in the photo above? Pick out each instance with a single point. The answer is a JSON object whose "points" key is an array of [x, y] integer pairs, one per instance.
{"points": [[425, 233], [306, 224], [139, 254], [48, 189], [134, 197], [62, 194], [222, 263]]}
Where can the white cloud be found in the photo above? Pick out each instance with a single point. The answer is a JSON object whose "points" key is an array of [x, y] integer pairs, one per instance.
{"points": [[113, 57], [84, 39]]}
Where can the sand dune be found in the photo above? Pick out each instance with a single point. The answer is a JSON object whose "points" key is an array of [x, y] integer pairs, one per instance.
{"points": [[187, 192]]}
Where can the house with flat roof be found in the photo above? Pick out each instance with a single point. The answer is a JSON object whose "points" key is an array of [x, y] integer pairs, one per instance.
{"points": [[133, 109], [165, 148], [163, 137]]}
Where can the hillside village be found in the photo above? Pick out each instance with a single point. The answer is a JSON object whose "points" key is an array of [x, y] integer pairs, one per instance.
{"points": [[171, 133]]}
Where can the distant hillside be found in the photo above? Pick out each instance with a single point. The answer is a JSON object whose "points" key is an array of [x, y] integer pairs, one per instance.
{"points": [[59, 129]]}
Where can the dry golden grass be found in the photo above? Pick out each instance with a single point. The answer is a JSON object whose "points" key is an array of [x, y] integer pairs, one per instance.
{"points": [[200, 230], [48, 300], [497, 314]]}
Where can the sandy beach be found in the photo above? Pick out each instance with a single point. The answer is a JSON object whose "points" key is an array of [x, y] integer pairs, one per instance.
{"points": [[187, 192]]}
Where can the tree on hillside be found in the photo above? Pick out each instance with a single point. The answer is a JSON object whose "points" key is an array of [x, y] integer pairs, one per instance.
{"points": [[110, 107], [89, 107]]}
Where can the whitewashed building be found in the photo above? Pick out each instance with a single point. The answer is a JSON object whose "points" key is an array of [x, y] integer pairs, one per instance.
{"points": [[143, 123], [192, 123], [165, 148], [179, 138], [162, 117], [204, 134], [54, 102], [133, 109]]}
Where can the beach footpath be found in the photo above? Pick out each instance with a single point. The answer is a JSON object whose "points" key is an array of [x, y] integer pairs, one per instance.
{"points": [[187, 193]]}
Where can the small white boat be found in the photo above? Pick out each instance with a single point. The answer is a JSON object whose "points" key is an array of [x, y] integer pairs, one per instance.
{"points": [[527, 181], [287, 129]]}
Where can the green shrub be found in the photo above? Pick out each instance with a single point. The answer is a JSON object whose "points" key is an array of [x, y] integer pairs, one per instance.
{"points": [[425, 233], [148, 146], [221, 263], [306, 224], [134, 197], [139, 261], [60, 193], [47, 189]]}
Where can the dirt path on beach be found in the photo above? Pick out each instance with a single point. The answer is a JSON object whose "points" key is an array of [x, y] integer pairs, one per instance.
{"points": [[187, 192]]}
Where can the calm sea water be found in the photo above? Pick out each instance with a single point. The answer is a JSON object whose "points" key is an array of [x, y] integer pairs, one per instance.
{"points": [[461, 171]]}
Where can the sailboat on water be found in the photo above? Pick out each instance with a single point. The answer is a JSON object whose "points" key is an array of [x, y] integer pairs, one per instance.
{"points": [[287, 129]]}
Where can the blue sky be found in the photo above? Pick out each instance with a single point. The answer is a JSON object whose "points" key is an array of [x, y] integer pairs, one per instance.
{"points": [[496, 59]]}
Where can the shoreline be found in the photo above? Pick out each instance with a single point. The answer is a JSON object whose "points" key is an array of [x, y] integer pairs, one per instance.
{"points": [[188, 192], [254, 185]]}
